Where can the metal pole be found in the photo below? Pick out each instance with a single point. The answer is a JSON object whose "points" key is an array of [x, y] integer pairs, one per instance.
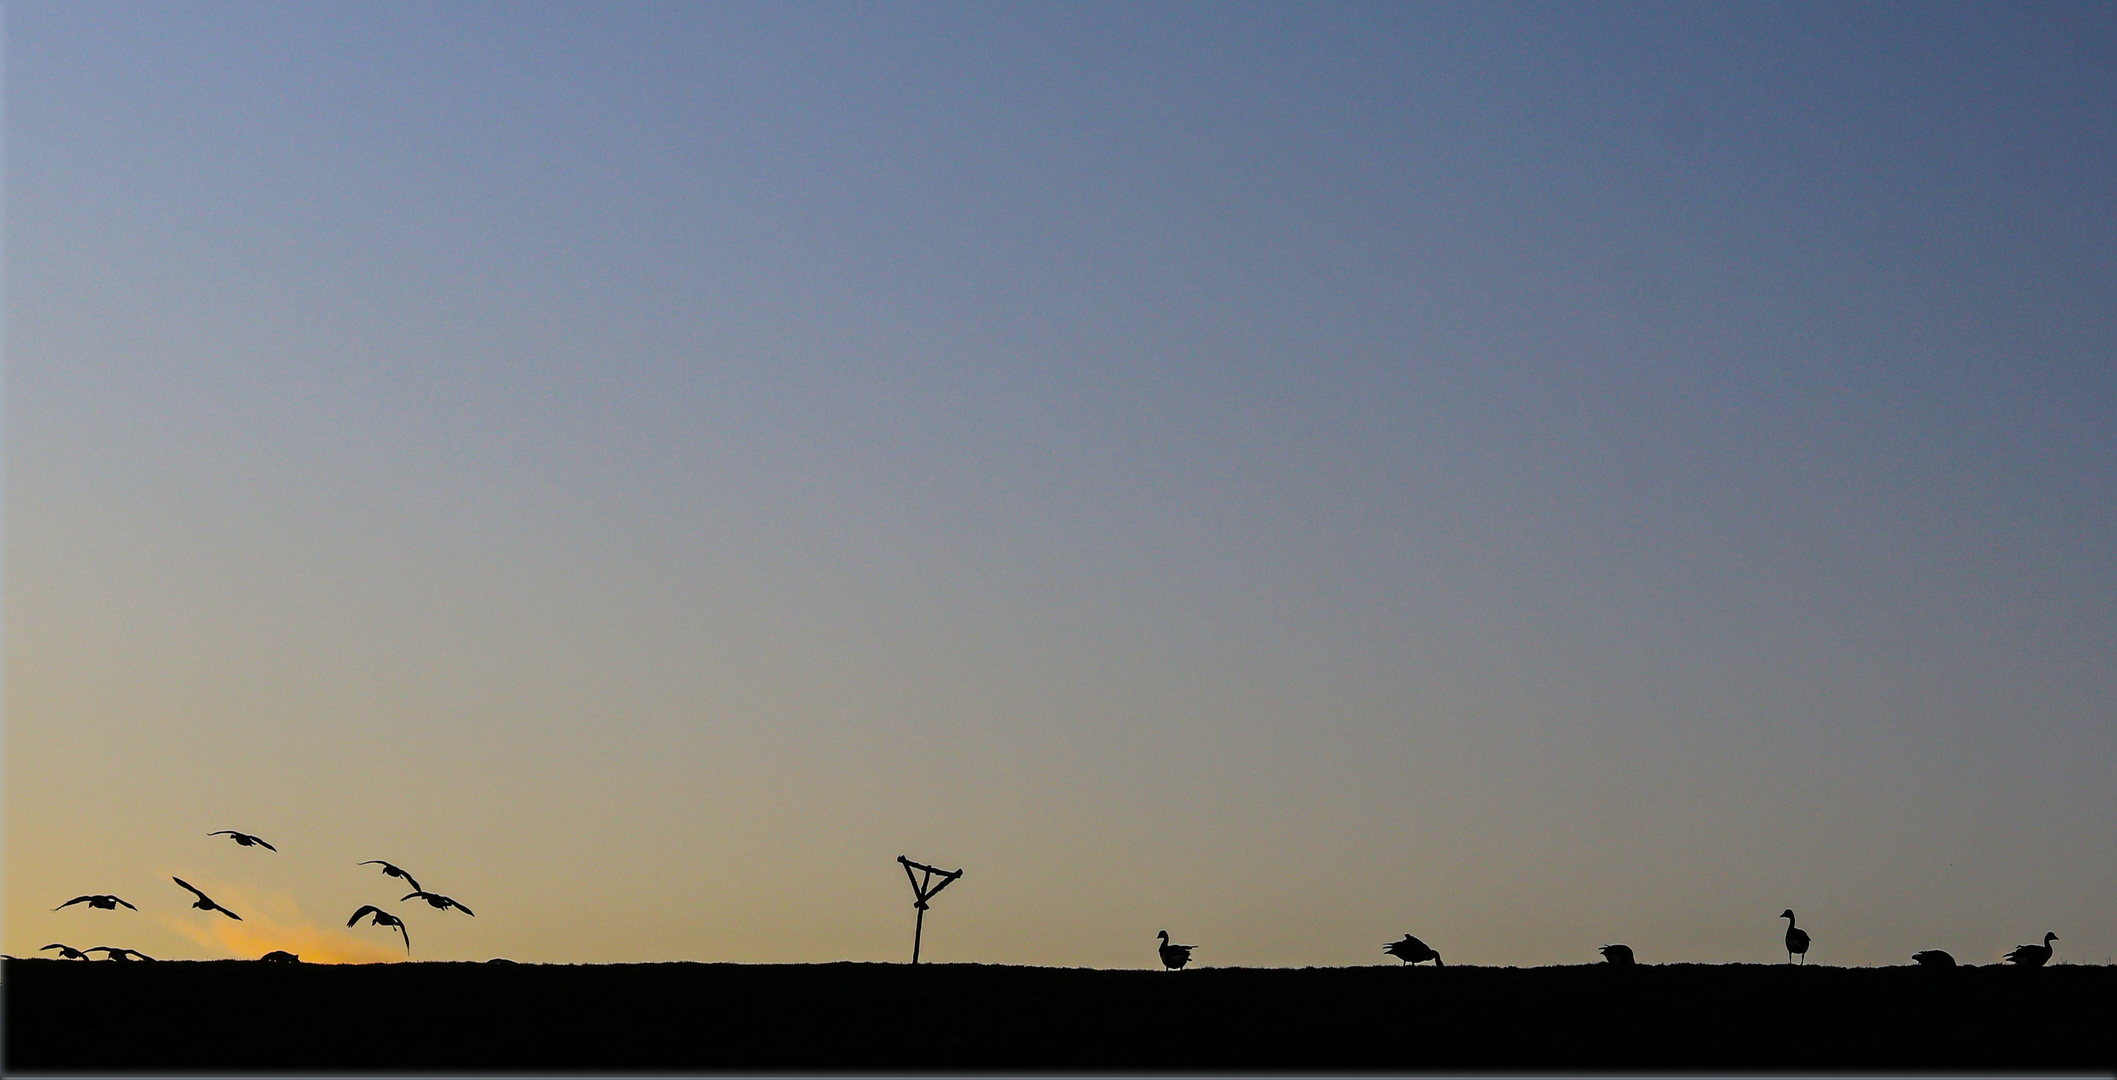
{"points": [[917, 929]]}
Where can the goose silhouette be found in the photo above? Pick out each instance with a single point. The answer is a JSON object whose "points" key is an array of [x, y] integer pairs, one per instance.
{"points": [[1796, 938], [1413, 951], [1617, 955], [1174, 957], [1933, 958], [2033, 955], [436, 900], [243, 838], [383, 918], [120, 954], [280, 956], [204, 902], [66, 952], [392, 870], [105, 902]]}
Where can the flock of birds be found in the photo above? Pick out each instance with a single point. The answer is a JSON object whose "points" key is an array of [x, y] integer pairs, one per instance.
{"points": [[1411, 950], [375, 915]]}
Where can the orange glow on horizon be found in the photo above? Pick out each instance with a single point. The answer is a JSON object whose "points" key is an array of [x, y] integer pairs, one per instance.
{"points": [[258, 934]]}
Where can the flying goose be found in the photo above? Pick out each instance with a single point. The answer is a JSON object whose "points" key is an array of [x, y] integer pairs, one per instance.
{"points": [[1174, 957], [392, 870], [204, 902], [1413, 951], [107, 903], [383, 918], [437, 900], [243, 838], [66, 952], [1618, 955], [2033, 955], [120, 954], [1796, 938]]}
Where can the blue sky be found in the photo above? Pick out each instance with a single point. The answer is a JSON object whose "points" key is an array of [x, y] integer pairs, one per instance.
{"points": [[1530, 476]]}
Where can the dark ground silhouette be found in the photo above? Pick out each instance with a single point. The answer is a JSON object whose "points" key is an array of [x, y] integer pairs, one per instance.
{"points": [[453, 1016]]}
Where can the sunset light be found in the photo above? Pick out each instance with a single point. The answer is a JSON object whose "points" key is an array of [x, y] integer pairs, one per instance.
{"points": [[1260, 497]]}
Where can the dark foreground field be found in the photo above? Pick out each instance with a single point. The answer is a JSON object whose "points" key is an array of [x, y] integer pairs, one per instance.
{"points": [[230, 1015]]}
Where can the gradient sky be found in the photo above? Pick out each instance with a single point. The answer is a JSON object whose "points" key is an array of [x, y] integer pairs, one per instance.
{"points": [[1529, 476]]}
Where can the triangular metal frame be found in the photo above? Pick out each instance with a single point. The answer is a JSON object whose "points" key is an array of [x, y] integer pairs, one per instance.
{"points": [[923, 889]]}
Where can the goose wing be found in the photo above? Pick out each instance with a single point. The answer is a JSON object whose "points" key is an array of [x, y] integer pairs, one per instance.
{"points": [[123, 902], [365, 909], [75, 900], [194, 890]]}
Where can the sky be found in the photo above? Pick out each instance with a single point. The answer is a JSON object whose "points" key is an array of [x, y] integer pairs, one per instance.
{"points": [[1529, 476]]}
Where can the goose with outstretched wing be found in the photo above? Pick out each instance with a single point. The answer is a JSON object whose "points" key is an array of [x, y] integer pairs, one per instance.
{"points": [[392, 870], [437, 901], [383, 918], [204, 902], [102, 900], [244, 839]]}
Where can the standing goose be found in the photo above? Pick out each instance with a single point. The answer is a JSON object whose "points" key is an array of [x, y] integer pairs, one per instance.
{"points": [[1618, 955], [1173, 957], [1933, 958], [383, 918], [204, 902], [2033, 955], [243, 838], [1796, 938]]}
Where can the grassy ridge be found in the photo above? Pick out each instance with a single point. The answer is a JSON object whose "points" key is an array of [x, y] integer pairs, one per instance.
{"points": [[235, 1015]]}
